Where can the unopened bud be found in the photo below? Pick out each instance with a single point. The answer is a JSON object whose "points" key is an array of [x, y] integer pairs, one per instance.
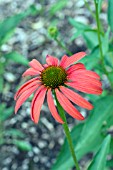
{"points": [[53, 32]]}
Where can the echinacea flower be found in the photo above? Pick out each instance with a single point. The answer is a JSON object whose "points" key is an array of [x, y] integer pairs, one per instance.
{"points": [[58, 77]]}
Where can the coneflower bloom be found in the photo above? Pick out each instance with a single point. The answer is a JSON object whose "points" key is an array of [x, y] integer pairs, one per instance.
{"points": [[58, 77]]}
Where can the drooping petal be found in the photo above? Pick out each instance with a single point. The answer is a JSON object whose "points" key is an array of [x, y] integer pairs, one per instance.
{"points": [[36, 82], [21, 89], [68, 107], [36, 65], [52, 107], [24, 97], [37, 103], [52, 60], [31, 72], [85, 73], [84, 79], [76, 98], [74, 58], [75, 67], [63, 61], [86, 88]]}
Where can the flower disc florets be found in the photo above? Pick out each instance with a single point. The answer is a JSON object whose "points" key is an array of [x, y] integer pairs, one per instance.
{"points": [[53, 76]]}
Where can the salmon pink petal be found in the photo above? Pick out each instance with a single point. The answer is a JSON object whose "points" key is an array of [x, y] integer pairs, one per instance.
{"points": [[52, 60], [75, 67], [63, 61], [37, 82], [52, 107], [45, 65], [24, 97], [74, 58], [31, 72], [86, 88], [76, 98], [37, 103], [36, 65], [85, 73], [68, 107], [81, 79], [21, 89]]}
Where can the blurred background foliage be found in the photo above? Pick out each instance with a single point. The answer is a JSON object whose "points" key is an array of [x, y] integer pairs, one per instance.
{"points": [[56, 28]]}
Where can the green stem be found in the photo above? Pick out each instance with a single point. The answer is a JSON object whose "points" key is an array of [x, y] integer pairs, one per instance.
{"points": [[67, 133], [63, 46], [99, 40]]}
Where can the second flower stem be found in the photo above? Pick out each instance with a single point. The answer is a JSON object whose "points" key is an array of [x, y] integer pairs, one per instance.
{"points": [[100, 42], [63, 46], [67, 133]]}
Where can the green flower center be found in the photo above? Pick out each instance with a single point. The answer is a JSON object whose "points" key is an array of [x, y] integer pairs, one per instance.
{"points": [[53, 76]]}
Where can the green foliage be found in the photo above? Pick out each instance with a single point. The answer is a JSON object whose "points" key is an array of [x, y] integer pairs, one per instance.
{"points": [[15, 133], [1, 83], [57, 6], [110, 13], [8, 25], [111, 76], [5, 113], [99, 5], [65, 153], [16, 57], [87, 141], [91, 135], [99, 161], [23, 145], [89, 35]]}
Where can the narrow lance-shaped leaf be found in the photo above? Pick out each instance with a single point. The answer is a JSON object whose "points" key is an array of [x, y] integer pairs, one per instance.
{"points": [[23, 145], [16, 57], [110, 13], [57, 6], [99, 161]]}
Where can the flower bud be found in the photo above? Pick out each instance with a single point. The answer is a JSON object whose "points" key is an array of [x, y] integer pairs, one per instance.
{"points": [[53, 32]]}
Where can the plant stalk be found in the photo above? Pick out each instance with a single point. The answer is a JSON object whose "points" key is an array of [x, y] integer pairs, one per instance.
{"points": [[63, 46], [100, 42], [67, 133]]}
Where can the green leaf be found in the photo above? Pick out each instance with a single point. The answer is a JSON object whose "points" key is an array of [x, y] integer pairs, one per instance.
{"points": [[78, 25], [90, 38], [90, 133], [5, 113], [8, 26], [23, 145], [105, 42], [15, 133], [110, 13], [1, 83], [77, 34], [110, 75], [57, 6], [99, 161], [16, 57], [110, 163], [99, 5], [111, 146], [89, 35], [92, 60]]}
